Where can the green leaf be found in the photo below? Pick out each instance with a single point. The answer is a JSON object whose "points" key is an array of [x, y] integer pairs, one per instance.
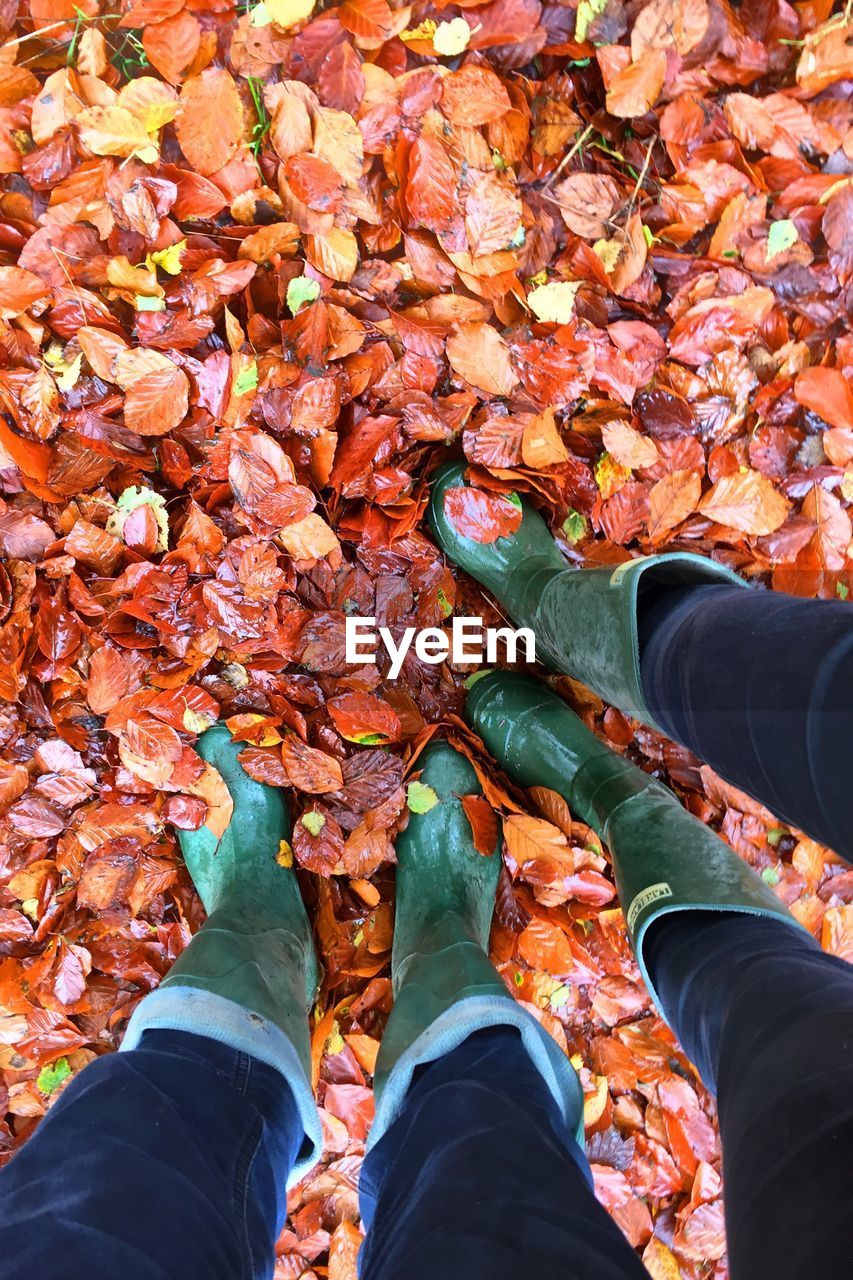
{"points": [[842, 590], [560, 996], [368, 739], [444, 604], [575, 527], [588, 10], [247, 379], [301, 290], [148, 304], [775, 834], [420, 798], [781, 236], [474, 677], [514, 499], [313, 822], [259, 16], [770, 876], [52, 1076]]}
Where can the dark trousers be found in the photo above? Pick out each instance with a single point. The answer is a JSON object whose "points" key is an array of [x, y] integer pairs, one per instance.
{"points": [[760, 686], [169, 1162]]}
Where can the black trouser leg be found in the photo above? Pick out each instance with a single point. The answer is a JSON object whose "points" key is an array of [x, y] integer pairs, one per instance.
{"points": [[479, 1179], [759, 685], [767, 1018]]}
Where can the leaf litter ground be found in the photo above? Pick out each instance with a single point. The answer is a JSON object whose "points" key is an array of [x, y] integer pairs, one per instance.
{"points": [[260, 270]]}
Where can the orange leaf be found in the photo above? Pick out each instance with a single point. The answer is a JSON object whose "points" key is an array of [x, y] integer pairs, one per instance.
{"points": [[484, 823], [541, 444], [478, 353], [210, 121], [633, 91], [746, 501], [672, 500], [19, 289], [310, 770], [827, 393], [157, 402]]}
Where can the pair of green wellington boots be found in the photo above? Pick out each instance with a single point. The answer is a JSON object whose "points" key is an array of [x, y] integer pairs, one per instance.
{"points": [[249, 976]]}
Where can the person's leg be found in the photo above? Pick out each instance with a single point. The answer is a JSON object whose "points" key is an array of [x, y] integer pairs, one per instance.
{"points": [[169, 1162], [767, 1018], [170, 1159], [480, 1175], [473, 1167], [759, 685]]}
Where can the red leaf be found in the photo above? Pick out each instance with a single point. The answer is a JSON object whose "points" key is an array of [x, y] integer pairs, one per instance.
{"points": [[480, 515], [364, 718]]}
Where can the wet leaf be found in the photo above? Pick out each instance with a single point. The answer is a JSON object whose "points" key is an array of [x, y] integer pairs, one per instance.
{"points": [[480, 515]]}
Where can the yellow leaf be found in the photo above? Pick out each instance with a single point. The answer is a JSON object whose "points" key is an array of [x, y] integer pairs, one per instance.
{"points": [[151, 101], [288, 13], [594, 1103], [451, 37], [424, 31], [554, 302], [168, 259], [660, 1262], [284, 857], [608, 251], [66, 372], [113, 131], [610, 475]]}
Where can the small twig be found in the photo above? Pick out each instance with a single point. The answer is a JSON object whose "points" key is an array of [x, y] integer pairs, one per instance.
{"points": [[640, 178], [574, 149]]}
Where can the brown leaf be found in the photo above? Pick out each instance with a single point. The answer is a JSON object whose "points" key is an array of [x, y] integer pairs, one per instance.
{"points": [[628, 446], [587, 202]]}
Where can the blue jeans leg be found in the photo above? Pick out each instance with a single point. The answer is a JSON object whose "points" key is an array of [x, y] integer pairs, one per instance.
{"points": [[165, 1163], [480, 1177]]}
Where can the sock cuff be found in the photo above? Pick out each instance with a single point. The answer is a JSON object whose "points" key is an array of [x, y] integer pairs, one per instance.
{"points": [[204, 1013]]}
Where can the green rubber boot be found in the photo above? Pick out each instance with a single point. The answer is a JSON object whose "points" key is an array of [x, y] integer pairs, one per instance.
{"points": [[249, 976], [445, 986], [584, 620], [664, 859]]}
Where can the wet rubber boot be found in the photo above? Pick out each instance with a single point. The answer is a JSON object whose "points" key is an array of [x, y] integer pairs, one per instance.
{"points": [[249, 976], [664, 859], [445, 986], [585, 620]]}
